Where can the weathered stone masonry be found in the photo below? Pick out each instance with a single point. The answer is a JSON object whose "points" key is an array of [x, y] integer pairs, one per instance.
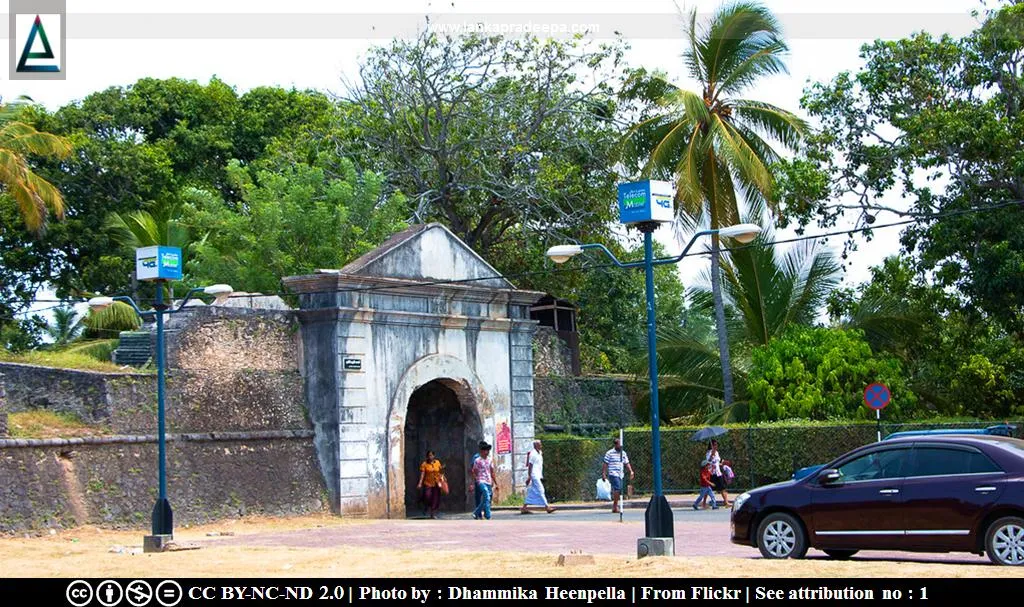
{"points": [[240, 441], [382, 327]]}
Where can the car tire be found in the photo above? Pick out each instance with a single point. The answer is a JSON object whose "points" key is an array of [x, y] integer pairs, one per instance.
{"points": [[781, 536], [1004, 541], [840, 555]]}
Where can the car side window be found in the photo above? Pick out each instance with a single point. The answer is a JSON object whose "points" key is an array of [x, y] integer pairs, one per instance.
{"points": [[876, 465], [937, 461]]}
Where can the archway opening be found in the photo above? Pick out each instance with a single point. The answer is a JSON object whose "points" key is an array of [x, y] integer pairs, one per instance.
{"points": [[441, 418]]}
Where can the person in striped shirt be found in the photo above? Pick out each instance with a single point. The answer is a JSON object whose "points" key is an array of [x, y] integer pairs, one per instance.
{"points": [[615, 463]]}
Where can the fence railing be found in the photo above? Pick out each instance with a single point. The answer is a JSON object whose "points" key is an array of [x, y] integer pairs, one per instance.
{"points": [[759, 454]]}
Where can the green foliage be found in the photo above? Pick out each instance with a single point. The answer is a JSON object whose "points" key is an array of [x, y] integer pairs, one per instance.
{"points": [[60, 360], [20, 335], [64, 328], [34, 197], [716, 145], [767, 292], [500, 138], [821, 373], [111, 320], [294, 218], [572, 466], [957, 361], [99, 349], [760, 453], [613, 313], [135, 145], [157, 226], [936, 121]]}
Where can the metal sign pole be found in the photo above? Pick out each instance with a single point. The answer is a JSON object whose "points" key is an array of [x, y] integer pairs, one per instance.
{"points": [[878, 417]]}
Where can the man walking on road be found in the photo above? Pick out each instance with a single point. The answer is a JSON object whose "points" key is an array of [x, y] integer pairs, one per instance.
{"points": [[615, 461], [535, 495]]}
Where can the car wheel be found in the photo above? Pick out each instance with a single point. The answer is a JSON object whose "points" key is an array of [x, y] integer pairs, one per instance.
{"points": [[1004, 541], [781, 536], [840, 555]]}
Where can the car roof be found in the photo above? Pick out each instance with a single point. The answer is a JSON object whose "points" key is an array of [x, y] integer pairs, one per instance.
{"points": [[956, 438]]}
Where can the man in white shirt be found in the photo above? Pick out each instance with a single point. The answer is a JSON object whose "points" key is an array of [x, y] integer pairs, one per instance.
{"points": [[535, 495], [616, 462]]}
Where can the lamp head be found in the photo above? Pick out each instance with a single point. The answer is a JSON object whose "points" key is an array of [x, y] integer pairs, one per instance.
{"points": [[744, 232], [561, 253], [219, 290], [99, 303]]}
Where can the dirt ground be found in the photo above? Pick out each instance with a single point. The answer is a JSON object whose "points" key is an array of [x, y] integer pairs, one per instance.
{"points": [[91, 552]]}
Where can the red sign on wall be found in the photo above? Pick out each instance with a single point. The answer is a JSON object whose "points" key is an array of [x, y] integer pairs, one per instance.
{"points": [[504, 439]]}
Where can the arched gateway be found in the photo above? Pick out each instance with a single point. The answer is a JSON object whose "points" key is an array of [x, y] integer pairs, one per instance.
{"points": [[419, 344]]}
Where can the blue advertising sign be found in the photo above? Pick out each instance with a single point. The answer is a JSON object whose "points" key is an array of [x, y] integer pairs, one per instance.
{"points": [[642, 201], [158, 263]]}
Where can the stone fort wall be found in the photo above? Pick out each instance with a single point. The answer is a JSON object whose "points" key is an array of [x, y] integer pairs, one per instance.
{"points": [[240, 441]]}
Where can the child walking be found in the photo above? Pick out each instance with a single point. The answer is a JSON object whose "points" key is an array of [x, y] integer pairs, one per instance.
{"points": [[706, 489]]}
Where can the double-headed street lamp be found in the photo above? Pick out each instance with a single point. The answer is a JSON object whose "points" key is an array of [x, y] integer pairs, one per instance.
{"points": [[163, 517], [659, 523]]}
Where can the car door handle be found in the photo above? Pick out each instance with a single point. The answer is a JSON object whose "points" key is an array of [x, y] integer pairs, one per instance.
{"points": [[889, 491], [985, 489]]}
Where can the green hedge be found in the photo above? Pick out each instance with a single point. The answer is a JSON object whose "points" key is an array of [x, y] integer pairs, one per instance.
{"points": [[760, 454], [572, 466]]}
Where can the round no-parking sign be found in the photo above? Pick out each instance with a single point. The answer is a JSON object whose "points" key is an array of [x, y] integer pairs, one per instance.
{"points": [[877, 396]]}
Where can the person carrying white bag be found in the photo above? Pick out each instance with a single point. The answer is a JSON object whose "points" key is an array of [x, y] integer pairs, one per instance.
{"points": [[616, 462]]}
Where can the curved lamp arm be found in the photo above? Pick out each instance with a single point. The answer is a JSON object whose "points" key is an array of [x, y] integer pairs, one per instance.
{"points": [[131, 302], [659, 261], [184, 300], [686, 249]]}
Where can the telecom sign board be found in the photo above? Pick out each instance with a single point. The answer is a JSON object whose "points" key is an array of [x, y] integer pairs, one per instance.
{"points": [[158, 263], [642, 201]]}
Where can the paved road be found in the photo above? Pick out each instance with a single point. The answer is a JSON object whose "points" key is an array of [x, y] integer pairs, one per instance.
{"points": [[704, 533]]}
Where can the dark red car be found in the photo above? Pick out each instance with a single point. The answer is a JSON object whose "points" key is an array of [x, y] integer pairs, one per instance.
{"points": [[951, 493]]}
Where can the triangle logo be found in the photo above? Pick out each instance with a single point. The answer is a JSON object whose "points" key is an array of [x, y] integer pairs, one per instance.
{"points": [[28, 53]]}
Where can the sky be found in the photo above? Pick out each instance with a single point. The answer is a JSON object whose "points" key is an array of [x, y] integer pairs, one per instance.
{"points": [[318, 44]]}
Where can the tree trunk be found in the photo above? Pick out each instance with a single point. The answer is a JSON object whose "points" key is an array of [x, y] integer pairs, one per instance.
{"points": [[723, 334]]}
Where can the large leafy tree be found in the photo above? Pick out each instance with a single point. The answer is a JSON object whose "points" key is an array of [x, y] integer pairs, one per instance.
{"points": [[294, 218], [136, 146], [715, 144], [957, 361], [502, 139], [930, 125]]}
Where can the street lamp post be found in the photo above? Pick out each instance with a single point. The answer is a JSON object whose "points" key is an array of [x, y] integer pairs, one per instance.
{"points": [[163, 516], [658, 519]]}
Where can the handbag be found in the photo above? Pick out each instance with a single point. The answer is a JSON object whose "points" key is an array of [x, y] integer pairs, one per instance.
{"points": [[444, 485]]}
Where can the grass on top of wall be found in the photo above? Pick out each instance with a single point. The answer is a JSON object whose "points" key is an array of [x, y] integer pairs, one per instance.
{"points": [[48, 424], [62, 360]]}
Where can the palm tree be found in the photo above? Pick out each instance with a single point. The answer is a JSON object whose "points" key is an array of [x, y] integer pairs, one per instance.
{"points": [[156, 226], [766, 292], [713, 143], [35, 196], [65, 326]]}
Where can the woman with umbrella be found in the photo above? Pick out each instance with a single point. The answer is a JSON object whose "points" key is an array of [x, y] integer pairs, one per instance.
{"points": [[713, 458], [717, 478]]}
